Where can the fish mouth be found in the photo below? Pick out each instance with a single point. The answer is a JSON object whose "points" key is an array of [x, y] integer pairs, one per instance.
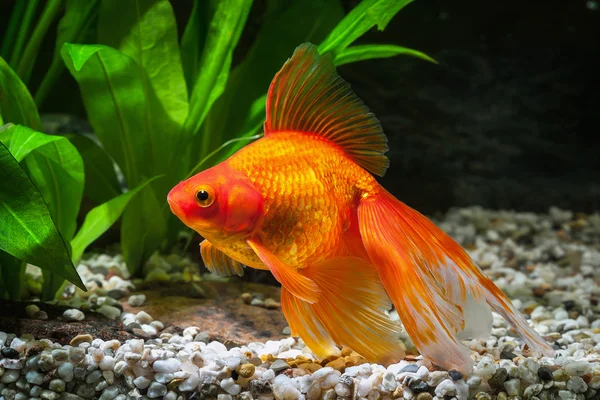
{"points": [[174, 205]]}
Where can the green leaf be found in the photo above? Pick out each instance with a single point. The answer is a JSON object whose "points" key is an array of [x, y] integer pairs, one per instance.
{"points": [[13, 274], [76, 26], [114, 94], [101, 183], [16, 104], [286, 25], [363, 17], [224, 32], [370, 51], [27, 230], [55, 167], [147, 32], [100, 218], [143, 227], [21, 140], [193, 40]]}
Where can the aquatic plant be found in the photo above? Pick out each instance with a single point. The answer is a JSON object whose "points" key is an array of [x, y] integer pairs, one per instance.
{"points": [[41, 186], [23, 37], [159, 104]]}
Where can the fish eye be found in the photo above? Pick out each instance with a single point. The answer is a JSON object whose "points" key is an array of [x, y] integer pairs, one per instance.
{"points": [[205, 196]]}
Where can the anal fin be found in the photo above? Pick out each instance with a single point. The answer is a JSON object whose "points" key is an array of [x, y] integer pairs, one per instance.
{"points": [[299, 285], [218, 262], [351, 310]]}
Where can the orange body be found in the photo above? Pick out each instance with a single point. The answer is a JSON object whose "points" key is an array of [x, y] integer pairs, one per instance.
{"points": [[302, 203], [310, 191]]}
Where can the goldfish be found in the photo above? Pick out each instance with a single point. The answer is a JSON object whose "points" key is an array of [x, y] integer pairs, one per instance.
{"points": [[303, 202]]}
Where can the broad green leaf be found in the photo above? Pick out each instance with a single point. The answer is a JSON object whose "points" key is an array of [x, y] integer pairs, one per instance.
{"points": [[76, 26], [13, 274], [370, 51], [16, 104], [101, 183], [21, 140], [225, 29], [147, 32], [143, 227], [122, 109], [27, 230], [193, 40], [363, 17], [100, 219], [286, 25]]}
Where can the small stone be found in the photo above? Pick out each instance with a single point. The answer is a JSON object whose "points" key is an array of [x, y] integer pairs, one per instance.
{"points": [[109, 312], [65, 371], [507, 355], [141, 382], [116, 294], [279, 365], [246, 370], [246, 298], [77, 340], [31, 310], [170, 365], [545, 373], [445, 388], [33, 377], [191, 383], [203, 337], [577, 368], [417, 385], [156, 390], [512, 387], [136, 300], [286, 331], [49, 395], [10, 353], [230, 386], [261, 386], [133, 326], [57, 385], [73, 314], [412, 368], [483, 396], [576, 385], [143, 317], [497, 380], [424, 396], [455, 375], [271, 304]]}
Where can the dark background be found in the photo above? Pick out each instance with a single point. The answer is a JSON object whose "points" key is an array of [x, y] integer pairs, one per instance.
{"points": [[508, 119]]}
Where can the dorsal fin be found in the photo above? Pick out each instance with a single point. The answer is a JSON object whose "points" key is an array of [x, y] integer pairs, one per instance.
{"points": [[307, 95]]}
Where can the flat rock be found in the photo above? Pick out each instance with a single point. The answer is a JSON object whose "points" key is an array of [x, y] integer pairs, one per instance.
{"points": [[222, 312]]}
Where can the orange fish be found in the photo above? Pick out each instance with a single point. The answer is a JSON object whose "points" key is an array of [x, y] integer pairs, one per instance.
{"points": [[302, 203]]}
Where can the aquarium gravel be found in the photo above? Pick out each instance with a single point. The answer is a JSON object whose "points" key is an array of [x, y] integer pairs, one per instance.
{"points": [[548, 264]]}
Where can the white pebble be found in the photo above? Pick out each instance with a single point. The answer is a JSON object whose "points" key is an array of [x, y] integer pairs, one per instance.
{"points": [[190, 383], [136, 300], [73, 315], [446, 388], [156, 390], [65, 371], [141, 382], [230, 386], [143, 318], [167, 366], [109, 312]]}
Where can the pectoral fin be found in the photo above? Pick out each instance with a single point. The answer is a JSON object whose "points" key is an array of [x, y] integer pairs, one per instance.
{"points": [[297, 284], [218, 262]]}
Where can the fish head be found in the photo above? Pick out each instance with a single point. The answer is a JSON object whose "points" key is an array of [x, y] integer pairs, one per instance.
{"points": [[218, 203]]}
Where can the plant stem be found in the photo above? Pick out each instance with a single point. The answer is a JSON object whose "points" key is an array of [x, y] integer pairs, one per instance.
{"points": [[23, 31], [30, 53], [11, 30]]}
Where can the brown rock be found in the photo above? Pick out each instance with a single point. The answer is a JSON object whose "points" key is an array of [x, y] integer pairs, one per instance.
{"points": [[246, 370], [223, 313]]}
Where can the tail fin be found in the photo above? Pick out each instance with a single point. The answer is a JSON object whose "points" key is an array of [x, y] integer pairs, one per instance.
{"points": [[349, 312], [441, 296]]}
